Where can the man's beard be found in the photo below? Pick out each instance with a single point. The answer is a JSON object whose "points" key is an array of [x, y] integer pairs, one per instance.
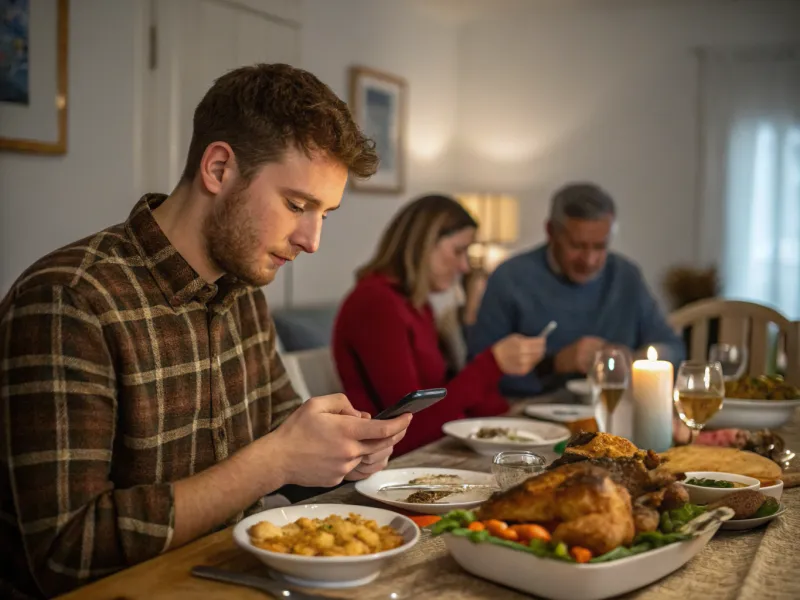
{"points": [[232, 242]]}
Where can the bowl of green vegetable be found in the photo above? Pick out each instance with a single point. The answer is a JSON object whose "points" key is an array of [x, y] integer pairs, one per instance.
{"points": [[705, 487]]}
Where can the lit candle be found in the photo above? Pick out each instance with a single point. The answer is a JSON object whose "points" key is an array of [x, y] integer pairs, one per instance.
{"points": [[651, 388]]}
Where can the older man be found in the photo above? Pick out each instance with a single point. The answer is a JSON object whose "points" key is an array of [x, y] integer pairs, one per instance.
{"points": [[597, 297]]}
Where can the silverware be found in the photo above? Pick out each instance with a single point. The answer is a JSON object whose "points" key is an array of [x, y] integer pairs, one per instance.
{"points": [[437, 486], [254, 581]]}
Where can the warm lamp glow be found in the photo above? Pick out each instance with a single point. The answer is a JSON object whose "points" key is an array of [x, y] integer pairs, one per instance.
{"points": [[497, 216], [652, 354]]}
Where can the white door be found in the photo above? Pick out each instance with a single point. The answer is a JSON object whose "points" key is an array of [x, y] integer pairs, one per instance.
{"points": [[192, 42]]}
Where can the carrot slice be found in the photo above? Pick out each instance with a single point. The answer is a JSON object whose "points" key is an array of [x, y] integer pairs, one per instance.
{"points": [[476, 526], [425, 520], [531, 532], [581, 555]]}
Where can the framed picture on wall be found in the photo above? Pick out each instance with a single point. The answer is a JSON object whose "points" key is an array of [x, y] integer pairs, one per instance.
{"points": [[33, 75], [378, 103]]}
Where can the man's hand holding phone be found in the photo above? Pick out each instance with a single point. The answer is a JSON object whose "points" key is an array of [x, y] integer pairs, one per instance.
{"points": [[327, 440]]}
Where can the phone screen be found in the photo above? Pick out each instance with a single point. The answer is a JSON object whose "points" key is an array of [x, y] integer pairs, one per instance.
{"points": [[413, 403]]}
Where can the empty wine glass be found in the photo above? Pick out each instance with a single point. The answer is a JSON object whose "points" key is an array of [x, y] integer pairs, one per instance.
{"points": [[698, 394], [732, 358], [610, 376]]}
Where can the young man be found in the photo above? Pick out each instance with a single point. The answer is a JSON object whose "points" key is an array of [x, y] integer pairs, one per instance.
{"points": [[597, 297], [142, 402]]}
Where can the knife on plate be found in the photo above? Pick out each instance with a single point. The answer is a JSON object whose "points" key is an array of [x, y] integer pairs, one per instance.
{"points": [[438, 486]]}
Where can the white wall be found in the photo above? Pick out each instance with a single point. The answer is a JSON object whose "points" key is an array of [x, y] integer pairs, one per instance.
{"points": [[49, 201], [606, 94], [390, 36]]}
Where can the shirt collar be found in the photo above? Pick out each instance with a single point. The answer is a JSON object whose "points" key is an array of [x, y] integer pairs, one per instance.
{"points": [[179, 282]]}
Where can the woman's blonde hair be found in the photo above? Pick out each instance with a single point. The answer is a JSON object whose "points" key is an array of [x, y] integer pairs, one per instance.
{"points": [[409, 239]]}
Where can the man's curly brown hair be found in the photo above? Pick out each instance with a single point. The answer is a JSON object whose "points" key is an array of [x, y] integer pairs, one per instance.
{"points": [[261, 110]]}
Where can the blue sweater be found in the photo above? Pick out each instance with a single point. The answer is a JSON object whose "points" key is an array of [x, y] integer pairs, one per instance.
{"points": [[524, 294]]}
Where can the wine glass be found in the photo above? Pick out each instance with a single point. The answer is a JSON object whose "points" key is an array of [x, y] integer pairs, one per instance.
{"points": [[732, 358], [698, 394], [610, 375]]}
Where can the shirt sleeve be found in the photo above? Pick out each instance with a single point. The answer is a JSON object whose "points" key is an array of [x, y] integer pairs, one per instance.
{"points": [[58, 411], [497, 320], [383, 345]]}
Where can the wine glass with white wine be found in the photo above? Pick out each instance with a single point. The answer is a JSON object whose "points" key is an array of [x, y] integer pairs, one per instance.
{"points": [[698, 394], [610, 376]]}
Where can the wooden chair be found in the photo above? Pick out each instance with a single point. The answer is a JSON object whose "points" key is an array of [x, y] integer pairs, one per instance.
{"points": [[745, 324]]}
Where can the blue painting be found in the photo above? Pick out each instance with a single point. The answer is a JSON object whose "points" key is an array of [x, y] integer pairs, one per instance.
{"points": [[380, 123], [14, 32]]}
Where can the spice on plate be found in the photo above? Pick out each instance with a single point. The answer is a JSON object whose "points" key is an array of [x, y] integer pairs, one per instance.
{"points": [[427, 496]]}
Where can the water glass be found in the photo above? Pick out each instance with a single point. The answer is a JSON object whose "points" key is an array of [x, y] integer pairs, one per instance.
{"points": [[513, 467]]}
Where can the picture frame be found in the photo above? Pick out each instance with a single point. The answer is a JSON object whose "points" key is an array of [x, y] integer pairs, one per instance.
{"points": [[34, 46], [378, 103]]}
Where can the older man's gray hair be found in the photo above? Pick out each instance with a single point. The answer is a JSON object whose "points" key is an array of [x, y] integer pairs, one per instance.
{"points": [[584, 201]]}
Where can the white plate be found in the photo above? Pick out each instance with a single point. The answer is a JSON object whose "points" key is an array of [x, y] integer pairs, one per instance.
{"points": [[753, 414], [462, 500], [742, 524], [549, 435], [326, 571], [562, 413], [560, 580]]}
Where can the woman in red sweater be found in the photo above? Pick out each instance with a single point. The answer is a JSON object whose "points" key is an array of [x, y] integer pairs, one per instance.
{"points": [[385, 341]]}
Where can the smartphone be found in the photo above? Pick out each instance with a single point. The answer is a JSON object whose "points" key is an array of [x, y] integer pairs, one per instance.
{"points": [[413, 403]]}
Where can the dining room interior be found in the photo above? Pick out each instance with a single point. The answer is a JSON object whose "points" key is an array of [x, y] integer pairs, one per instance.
{"points": [[685, 112]]}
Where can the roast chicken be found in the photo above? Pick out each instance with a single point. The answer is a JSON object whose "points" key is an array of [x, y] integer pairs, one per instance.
{"points": [[583, 502], [598, 495]]}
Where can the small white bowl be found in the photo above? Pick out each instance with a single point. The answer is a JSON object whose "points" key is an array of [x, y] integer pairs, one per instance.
{"points": [[326, 571], [547, 435], [699, 494], [582, 388], [774, 491]]}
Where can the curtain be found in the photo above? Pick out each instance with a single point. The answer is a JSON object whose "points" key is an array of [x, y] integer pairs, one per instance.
{"points": [[750, 194]]}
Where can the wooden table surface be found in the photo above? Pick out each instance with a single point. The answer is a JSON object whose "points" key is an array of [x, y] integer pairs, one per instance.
{"points": [[763, 563]]}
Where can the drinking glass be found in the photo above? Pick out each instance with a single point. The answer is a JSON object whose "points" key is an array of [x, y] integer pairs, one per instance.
{"points": [[732, 358], [610, 376], [513, 467], [698, 394]]}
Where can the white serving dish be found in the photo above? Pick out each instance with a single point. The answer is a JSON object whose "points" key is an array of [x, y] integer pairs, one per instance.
{"points": [[699, 494], [753, 414], [581, 388], [560, 580], [463, 500], [561, 413], [549, 435], [775, 491], [744, 524], [326, 571]]}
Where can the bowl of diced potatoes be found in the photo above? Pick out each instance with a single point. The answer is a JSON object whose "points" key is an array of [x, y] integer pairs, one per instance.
{"points": [[326, 545]]}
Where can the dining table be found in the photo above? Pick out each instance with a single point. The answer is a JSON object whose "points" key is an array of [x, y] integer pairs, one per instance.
{"points": [[761, 563]]}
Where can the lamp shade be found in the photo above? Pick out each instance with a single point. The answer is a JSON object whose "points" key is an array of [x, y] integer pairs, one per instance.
{"points": [[497, 216]]}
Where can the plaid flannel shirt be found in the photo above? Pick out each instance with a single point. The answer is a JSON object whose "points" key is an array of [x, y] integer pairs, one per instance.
{"points": [[121, 372]]}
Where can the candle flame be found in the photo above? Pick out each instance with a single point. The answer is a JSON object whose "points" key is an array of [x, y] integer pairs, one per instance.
{"points": [[652, 354]]}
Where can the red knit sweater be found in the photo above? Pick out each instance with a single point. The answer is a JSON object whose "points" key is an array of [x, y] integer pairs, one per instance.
{"points": [[384, 348]]}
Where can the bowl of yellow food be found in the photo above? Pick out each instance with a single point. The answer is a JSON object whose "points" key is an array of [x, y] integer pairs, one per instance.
{"points": [[326, 545], [756, 403]]}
